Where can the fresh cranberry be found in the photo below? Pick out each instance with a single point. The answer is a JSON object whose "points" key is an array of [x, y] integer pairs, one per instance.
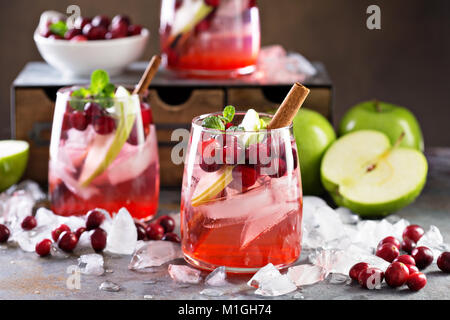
{"points": [[120, 19], [79, 38], [154, 231], [92, 110], [94, 33], [416, 281], [391, 240], [279, 165], [119, 30], [423, 257], [79, 232], [78, 120], [356, 270], [370, 278], [252, 3], [170, 236], [4, 233], [98, 239], [408, 245], [443, 262], [101, 21], [141, 233], [212, 3], [43, 247], [246, 174], [388, 252], [167, 223], [66, 122], [134, 30], [80, 22], [70, 34], [413, 232], [228, 125], [146, 113], [68, 241], [57, 232], [412, 269], [406, 259], [396, 274], [208, 161], [104, 124], [94, 219], [29, 223]]}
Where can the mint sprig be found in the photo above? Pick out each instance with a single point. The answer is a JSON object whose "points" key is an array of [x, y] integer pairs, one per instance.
{"points": [[228, 113], [213, 122]]}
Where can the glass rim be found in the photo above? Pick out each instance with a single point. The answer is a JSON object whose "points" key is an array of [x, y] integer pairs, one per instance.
{"points": [[61, 93], [196, 125]]}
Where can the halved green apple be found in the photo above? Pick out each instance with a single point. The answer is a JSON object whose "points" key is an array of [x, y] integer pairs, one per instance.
{"points": [[13, 161], [363, 172]]}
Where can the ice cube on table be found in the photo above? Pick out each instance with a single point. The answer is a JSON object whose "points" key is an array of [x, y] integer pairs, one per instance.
{"points": [[270, 282], [267, 272], [122, 236], [217, 277], [154, 254], [91, 264], [109, 286], [184, 274], [339, 278], [306, 274], [212, 292], [433, 240], [347, 216]]}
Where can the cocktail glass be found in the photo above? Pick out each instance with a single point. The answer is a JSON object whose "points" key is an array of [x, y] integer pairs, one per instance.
{"points": [[241, 202], [103, 154], [210, 38]]}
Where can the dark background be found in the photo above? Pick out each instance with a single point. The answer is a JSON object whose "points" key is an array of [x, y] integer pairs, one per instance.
{"points": [[407, 62]]}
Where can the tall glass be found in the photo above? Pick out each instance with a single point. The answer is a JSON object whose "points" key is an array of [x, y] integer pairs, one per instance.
{"points": [[241, 202], [211, 38], [103, 154]]}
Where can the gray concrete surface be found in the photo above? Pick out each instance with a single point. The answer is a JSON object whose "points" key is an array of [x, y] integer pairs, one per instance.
{"points": [[26, 276]]}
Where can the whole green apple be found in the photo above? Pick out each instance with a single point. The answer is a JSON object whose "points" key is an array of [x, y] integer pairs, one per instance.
{"points": [[390, 119], [314, 134]]}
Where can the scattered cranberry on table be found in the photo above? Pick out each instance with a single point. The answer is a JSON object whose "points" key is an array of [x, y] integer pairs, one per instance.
{"points": [[391, 240], [412, 269], [98, 239], [4, 233], [167, 223], [423, 257], [94, 219], [68, 241], [79, 232], [388, 252], [416, 281], [406, 259], [413, 232], [396, 274], [356, 270], [408, 245], [141, 233], [371, 278], [57, 232], [43, 248], [170, 236], [154, 231], [29, 223], [443, 262]]}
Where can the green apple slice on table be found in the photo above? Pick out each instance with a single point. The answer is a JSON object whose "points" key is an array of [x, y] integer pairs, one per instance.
{"points": [[390, 119], [363, 172], [105, 148], [13, 162]]}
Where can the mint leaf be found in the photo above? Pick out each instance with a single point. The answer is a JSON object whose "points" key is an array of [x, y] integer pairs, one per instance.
{"points": [[228, 113], [99, 80], [213, 122], [235, 128], [109, 90], [59, 28], [80, 94]]}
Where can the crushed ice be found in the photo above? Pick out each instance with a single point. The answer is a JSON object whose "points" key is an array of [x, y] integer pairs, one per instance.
{"points": [[184, 274], [91, 264]]}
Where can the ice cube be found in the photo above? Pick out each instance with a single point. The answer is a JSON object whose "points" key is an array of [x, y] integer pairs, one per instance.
{"points": [[57, 252], [339, 278], [122, 237], [265, 273], [433, 239], [347, 216], [306, 274], [184, 274], [91, 264], [212, 292], [109, 286], [217, 277], [154, 254], [276, 287]]}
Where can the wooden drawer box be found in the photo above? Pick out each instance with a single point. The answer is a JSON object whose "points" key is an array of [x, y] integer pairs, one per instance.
{"points": [[174, 102]]}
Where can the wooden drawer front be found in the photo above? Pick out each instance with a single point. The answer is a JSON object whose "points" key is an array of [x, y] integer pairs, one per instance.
{"points": [[269, 98]]}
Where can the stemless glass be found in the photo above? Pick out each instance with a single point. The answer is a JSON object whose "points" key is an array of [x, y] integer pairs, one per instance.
{"points": [[103, 154], [241, 201], [211, 38]]}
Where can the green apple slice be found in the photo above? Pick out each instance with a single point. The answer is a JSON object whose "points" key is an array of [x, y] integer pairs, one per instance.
{"points": [[13, 162], [188, 15], [211, 184], [364, 173], [105, 148]]}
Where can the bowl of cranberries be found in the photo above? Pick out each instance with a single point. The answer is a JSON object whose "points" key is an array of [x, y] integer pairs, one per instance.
{"points": [[76, 47]]}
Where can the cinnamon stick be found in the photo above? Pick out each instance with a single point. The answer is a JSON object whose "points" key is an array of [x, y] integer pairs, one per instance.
{"points": [[148, 75], [289, 107]]}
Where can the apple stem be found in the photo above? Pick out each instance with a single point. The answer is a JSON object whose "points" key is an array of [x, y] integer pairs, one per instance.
{"points": [[377, 105]]}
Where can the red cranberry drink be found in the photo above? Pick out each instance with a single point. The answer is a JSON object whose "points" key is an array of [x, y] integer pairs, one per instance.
{"points": [[210, 37], [103, 151], [241, 203]]}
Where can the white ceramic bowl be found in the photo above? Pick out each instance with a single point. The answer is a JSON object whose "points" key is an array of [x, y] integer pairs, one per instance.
{"points": [[81, 58]]}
